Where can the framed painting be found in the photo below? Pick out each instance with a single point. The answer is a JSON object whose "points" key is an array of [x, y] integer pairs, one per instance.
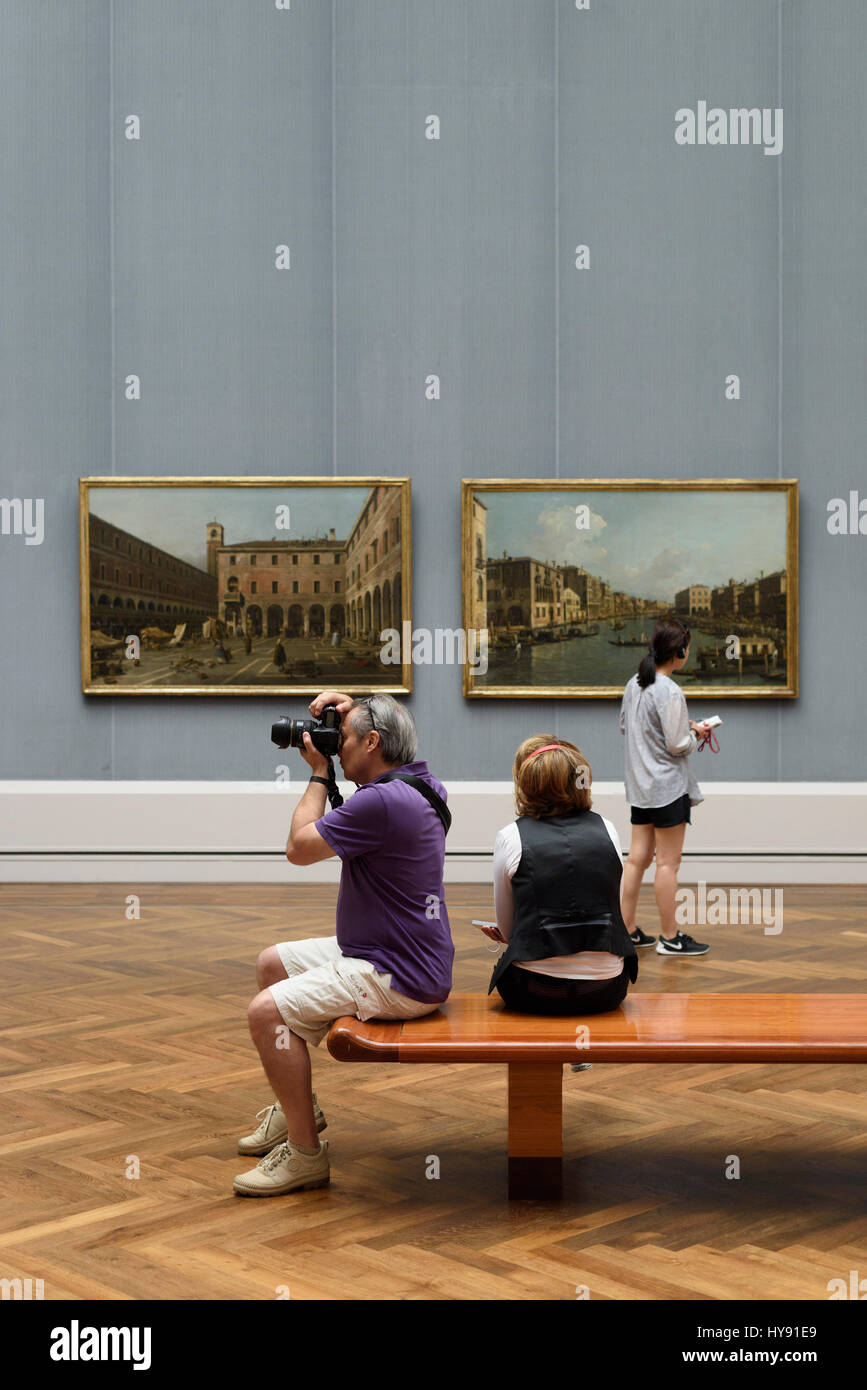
{"points": [[242, 586], [569, 577]]}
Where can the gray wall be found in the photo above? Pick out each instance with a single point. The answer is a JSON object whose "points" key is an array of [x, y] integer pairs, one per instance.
{"points": [[412, 256]]}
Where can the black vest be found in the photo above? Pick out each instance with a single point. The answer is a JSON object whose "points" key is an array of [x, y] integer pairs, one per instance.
{"points": [[566, 892]]}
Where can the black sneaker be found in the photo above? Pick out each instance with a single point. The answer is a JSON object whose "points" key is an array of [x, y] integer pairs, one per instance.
{"points": [[680, 945], [640, 938]]}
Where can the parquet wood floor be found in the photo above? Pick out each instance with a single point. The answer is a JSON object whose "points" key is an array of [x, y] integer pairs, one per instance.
{"points": [[124, 1039]]}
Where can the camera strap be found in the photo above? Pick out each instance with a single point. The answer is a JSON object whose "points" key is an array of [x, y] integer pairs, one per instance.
{"points": [[334, 797], [427, 792]]}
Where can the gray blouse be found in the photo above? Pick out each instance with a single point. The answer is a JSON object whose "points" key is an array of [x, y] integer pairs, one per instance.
{"points": [[658, 743]]}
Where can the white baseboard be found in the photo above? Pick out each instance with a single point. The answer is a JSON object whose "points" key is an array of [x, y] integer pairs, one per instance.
{"points": [[221, 832]]}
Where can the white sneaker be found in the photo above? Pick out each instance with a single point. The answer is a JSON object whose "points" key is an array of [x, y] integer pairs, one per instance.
{"points": [[273, 1129], [680, 945], [283, 1170]]}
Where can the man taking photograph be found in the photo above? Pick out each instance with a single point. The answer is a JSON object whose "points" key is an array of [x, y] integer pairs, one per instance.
{"points": [[392, 954]]}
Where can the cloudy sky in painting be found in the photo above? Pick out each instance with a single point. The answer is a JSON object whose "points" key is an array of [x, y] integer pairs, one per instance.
{"points": [[649, 544]]}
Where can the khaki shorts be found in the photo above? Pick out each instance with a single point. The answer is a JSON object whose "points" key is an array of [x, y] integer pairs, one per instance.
{"points": [[323, 985]]}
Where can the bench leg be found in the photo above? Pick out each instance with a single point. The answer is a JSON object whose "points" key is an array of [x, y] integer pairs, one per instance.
{"points": [[535, 1129]]}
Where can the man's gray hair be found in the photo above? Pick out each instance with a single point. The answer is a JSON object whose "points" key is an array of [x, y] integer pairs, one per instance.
{"points": [[394, 724]]}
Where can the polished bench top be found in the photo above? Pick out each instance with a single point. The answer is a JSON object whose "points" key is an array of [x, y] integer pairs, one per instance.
{"points": [[646, 1028]]}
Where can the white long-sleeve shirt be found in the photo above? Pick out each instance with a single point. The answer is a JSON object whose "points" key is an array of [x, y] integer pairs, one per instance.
{"points": [[584, 965], [659, 740]]}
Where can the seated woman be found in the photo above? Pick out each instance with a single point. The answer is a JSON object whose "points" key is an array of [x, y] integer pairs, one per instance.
{"points": [[557, 873]]}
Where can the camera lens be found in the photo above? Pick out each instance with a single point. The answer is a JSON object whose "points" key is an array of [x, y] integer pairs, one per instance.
{"points": [[281, 732], [289, 733]]}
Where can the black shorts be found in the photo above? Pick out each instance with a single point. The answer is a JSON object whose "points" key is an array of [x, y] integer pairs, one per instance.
{"points": [[663, 817], [530, 992]]}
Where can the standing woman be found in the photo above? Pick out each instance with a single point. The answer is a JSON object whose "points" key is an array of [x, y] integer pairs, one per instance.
{"points": [[660, 736]]}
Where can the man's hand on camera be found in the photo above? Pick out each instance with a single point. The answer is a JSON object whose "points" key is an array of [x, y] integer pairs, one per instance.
{"points": [[330, 697], [313, 758]]}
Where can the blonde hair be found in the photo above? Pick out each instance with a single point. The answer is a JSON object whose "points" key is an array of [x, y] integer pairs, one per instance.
{"points": [[554, 782]]}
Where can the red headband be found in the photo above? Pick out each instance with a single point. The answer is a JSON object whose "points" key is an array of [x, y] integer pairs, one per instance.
{"points": [[546, 749]]}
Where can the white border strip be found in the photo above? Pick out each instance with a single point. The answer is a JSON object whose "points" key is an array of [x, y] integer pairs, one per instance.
{"points": [[759, 832]]}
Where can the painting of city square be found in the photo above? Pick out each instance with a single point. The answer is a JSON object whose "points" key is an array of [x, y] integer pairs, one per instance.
{"points": [[569, 578], [234, 586]]}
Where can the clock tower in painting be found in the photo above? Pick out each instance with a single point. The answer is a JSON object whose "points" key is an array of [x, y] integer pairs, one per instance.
{"points": [[215, 541]]}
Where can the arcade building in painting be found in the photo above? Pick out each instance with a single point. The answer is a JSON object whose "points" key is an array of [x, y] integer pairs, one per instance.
{"points": [[268, 588]]}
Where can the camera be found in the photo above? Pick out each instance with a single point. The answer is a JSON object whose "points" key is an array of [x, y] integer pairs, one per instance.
{"points": [[325, 732]]}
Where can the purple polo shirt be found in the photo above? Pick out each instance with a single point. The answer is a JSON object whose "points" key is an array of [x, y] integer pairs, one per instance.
{"points": [[391, 906]]}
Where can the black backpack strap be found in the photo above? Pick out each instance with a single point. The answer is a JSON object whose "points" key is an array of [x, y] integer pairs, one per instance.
{"points": [[427, 792]]}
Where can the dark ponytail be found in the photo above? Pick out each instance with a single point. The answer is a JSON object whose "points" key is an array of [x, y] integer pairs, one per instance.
{"points": [[670, 638], [646, 671]]}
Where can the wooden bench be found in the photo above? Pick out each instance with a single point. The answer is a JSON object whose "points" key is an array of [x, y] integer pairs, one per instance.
{"points": [[646, 1028]]}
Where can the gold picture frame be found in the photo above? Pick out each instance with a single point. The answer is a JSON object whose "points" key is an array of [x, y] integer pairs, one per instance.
{"points": [[209, 624], [525, 609]]}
